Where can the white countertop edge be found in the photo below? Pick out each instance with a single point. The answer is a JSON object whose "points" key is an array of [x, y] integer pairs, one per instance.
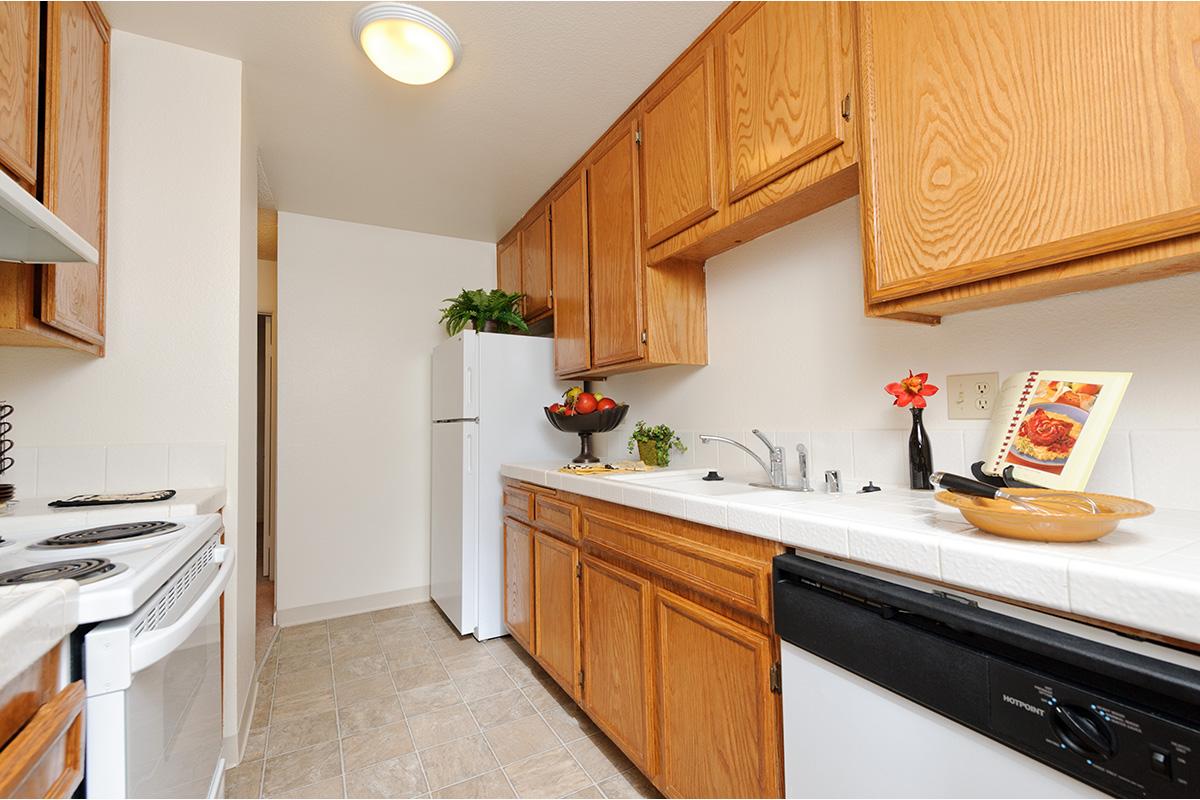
{"points": [[1145, 575], [33, 620], [35, 514]]}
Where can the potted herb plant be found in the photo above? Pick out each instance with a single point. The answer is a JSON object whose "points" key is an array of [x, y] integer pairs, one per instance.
{"points": [[654, 443], [483, 310]]}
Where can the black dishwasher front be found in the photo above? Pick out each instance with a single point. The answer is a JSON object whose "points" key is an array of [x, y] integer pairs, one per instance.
{"points": [[1120, 721]]}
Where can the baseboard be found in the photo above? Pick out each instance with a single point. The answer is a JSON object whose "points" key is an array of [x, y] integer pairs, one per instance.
{"points": [[233, 746], [355, 605]]}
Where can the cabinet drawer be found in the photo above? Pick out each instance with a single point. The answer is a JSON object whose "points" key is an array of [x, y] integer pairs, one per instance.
{"points": [[46, 757], [28, 692], [555, 516], [737, 581], [518, 503]]}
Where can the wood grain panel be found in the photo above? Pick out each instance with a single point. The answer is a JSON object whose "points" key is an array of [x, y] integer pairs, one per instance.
{"points": [[556, 516], [556, 609], [569, 260], [518, 582], [75, 161], [782, 91], [1008, 136], [20, 25], [740, 581], [535, 265], [46, 757], [1148, 262], [615, 274], [518, 503], [803, 190], [618, 690], [25, 694], [508, 266], [719, 721], [679, 150]]}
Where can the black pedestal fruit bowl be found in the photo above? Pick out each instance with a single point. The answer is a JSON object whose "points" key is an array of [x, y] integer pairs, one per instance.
{"points": [[587, 424]]}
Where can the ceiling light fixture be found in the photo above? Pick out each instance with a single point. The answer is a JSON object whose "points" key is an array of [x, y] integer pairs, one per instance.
{"points": [[407, 43]]}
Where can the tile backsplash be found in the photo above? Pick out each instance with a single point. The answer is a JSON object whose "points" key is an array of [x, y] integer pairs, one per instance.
{"points": [[63, 471], [1156, 466]]}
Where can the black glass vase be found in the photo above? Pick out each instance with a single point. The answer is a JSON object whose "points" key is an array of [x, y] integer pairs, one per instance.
{"points": [[920, 453]]}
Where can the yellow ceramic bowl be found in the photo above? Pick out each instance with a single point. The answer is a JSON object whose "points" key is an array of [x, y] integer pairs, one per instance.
{"points": [[1067, 524]]}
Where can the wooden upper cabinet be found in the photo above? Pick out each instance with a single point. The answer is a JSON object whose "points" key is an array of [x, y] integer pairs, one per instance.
{"points": [[535, 265], [75, 161], [714, 696], [615, 279], [569, 259], [508, 265], [1002, 137], [19, 54], [679, 148], [518, 582], [783, 91], [556, 609], [618, 688]]}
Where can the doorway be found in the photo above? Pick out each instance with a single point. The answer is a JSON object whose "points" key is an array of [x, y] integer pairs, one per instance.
{"points": [[267, 377]]}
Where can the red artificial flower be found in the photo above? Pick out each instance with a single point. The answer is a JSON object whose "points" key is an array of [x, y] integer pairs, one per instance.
{"points": [[912, 389]]}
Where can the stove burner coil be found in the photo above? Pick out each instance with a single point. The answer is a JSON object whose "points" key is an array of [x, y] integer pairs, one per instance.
{"points": [[83, 570], [124, 532]]}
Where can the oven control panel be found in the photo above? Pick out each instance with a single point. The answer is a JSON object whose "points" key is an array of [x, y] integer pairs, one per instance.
{"points": [[1127, 751]]}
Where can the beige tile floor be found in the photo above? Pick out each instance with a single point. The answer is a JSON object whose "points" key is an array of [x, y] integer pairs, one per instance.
{"points": [[396, 704]]}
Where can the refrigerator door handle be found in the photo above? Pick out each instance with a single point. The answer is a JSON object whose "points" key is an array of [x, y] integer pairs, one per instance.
{"points": [[468, 452]]}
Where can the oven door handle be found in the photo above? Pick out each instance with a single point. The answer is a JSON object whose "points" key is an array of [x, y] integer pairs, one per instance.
{"points": [[153, 646]]}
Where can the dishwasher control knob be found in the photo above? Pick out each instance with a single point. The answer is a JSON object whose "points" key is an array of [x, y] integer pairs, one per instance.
{"points": [[1083, 731]]}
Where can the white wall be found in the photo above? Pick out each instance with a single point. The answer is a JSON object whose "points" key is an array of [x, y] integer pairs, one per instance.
{"points": [[357, 316], [791, 351], [176, 318]]}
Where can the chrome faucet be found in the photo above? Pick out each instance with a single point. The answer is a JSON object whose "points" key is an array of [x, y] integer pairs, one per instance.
{"points": [[776, 470], [802, 455]]}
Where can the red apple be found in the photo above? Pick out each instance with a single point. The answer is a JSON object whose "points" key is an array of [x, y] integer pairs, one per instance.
{"points": [[556, 408], [567, 411], [585, 403], [606, 404]]}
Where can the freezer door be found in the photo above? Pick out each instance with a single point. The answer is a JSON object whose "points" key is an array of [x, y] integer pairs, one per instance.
{"points": [[453, 547], [456, 378]]}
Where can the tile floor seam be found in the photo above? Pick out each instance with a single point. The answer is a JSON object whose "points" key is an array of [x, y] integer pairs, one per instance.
{"points": [[546, 722], [483, 732], [337, 714]]}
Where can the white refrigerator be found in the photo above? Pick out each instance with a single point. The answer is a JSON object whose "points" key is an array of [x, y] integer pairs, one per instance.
{"points": [[488, 393]]}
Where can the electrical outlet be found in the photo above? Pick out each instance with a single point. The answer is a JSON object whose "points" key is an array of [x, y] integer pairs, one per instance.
{"points": [[972, 396]]}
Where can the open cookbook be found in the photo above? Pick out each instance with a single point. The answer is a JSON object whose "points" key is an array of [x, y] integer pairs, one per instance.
{"points": [[1049, 426]]}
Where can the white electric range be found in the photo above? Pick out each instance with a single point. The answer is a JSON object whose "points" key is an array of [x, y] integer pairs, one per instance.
{"points": [[148, 647]]}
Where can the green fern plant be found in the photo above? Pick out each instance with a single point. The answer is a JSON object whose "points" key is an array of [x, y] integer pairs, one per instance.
{"points": [[477, 307]]}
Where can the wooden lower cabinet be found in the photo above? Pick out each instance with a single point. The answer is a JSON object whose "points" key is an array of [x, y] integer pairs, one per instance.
{"points": [[617, 685], [556, 609], [518, 582], [719, 725], [655, 626]]}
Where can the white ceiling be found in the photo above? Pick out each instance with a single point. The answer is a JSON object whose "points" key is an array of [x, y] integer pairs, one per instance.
{"points": [[465, 156]]}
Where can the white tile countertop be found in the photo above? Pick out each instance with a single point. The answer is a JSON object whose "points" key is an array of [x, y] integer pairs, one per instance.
{"points": [[35, 513], [1145, 575], [33, 620]]}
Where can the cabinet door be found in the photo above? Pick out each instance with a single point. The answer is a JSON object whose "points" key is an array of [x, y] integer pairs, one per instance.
{"points": [[617, 687], [19, 30], [569, 257], [679, 150], [535, 265], [508, 265], [1007, 136], [556, 609], [714, 696], [75, 161], [518, 582], [616, 259], [783, 91]]}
